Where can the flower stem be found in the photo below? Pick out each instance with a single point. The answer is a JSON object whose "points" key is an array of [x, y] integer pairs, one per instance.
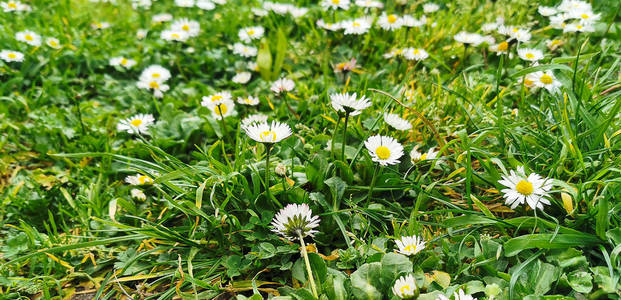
{"points": [[372, 185], [333, 134], [268, 148], [344, 137], [308, 266], [224, 130]]}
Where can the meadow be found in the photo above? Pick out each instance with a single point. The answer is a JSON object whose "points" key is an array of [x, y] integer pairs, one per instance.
{"points": [[331, 149]]}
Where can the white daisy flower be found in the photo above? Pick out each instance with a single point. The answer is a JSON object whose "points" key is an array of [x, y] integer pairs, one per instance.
{"points": [[410, 245], [349, 103], [221, 109], [244, 50], [415, 54], [157, 86], [489, 27], [191, 27], [53, 43], [529, 80], [251, 33], [205, 4], [409, 21], [259, 12], [357, 26], [500, 48], [217, 97], [138, 124], [122, 61], [268, 133], [138, 194], [184, 3], [10, 56], [328, 26], [282, 85], [335, 4], [530, 54], [393, 53], [369, 4], [295, 221], [250, 100], [100, 25], [253, 119], [139, 179], [156, 73], [298, 12], [384, 149], [547, 80], [141, 4], [397, 122], [574, 5], [253, 66], [522, 35], [468, 38], [405, 287], [585, 17], [577, 27], [558, 21], [29, 37], [161, 18], [532, 189], [416, 156], [241, 77], [174, 35], [459, 295], [546, 11], [430, 7], [390, 22], [14, 6], [141, 33]]}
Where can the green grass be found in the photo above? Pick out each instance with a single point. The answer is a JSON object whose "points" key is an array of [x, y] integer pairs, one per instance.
{"points": [[71, 230]]}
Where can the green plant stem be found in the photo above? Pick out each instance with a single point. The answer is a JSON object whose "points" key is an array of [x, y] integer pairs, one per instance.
{"points": [[499, 106], [224, 130], [336, 127], [311, 280], [344, 137], [268, 148], [377, 166]]}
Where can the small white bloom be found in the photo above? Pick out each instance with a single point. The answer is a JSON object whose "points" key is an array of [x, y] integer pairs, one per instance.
{"points": [[459, 295], [328, 26], [468, 38], [530, 54], [405, 287], [397, 122], [390, 22], [160, 18], [244, 50], [410, 245], [241, 77], [139, 179], [14, 6], [220, 109], [268, 133], [174, 35], [156, 73], [356, 26], [335, 4], [415, 54], [191, 27], [349, 103], [430, 7], [250, 100], [251, 33], [369, 4], [184, 3], [532, 189], [295, 221], [138, 194], [217, 97], [138, 124], [546, 11], [141, 33], [53, 43], [547, 80], [100, 25], [205, 4], [122, 61], [29, 37], [282, 85], [10, 56], [416, 156], [384, 150], [253, 119]]}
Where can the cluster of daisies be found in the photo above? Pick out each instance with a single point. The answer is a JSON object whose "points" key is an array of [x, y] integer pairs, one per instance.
{"points": [[571, 16], [30, 38]]}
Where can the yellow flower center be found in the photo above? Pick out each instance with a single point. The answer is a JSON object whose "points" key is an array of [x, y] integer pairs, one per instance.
{"points": [[579, 26], [503, 46], [216, 98], [144, 179], [264, 136], [584, 16], [530, 55], [136, 122], [154, 85], [248, 100], [524, 187], [528, 82], [356, 24], [398, 51], [250, 32], [556, 42], [155, 75], [336, 1], [409, 248], [220, 109], [124, 61], [546, 79], [12, 5], [185, 27], [392, 19], [53, 43], [28, 37], [382, 152], [12, 55], [405, 288], [99, 25], [174, 35], [423, 156], [515, 30]]}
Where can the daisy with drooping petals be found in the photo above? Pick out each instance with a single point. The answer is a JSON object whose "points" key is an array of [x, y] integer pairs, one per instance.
{"points": [[191, 27], [397, 122], [123, 62], [335, 4], [530, 54], [459, 295], [357, 26], [29, 37], [390, 22], [410, 245], [217, 97], [53, 43], [405, 287], [241, 77], [468, 38], [10, 56], [500, 48], [384, 150], [282, 85], [139, 179], [251, 33], [415, 54], [244, 50], [349, 103], [547, 80], [532, 189], [546, 11], [268, 133], [416, 156], [138, 124], [250, 100], [138, 194], [253, 119], [295, 221]]}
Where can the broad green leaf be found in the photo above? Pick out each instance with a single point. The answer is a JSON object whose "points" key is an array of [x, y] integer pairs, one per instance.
{"points": [[580, 281], [365, 282], [394, 264], [543, 241], [264, 59]]}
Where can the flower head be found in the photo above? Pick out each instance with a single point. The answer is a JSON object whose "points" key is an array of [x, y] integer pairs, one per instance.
{"points": [[221, 108], [174, 35], [53, 43], [349, 103], [251, 33], [469, 38], [138, 194], [139, 179], [138, 124], [405, 287], [530, 54], [410, 245], [29, 37], [268, 133], [122, 61], [356, 26], [295, 221], [459, 295], [416, 156], [244, 50], [249, 100], [191, 27], [384, 149], [547, 80], [397, 122], [390, 22], [282, 85], [253, 119], [10, 56], [415, 54], [241, 77], [532, 189], [335, 4]]}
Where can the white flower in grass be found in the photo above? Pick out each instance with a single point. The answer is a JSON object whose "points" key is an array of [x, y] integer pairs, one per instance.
{"points": [[390, 22], [369, 4], [577, 27], [328, 26], [221, 109], [156, 73], [409, 21], [405, 287], [161, 18], [530, 54], [397, 122], [141, 33], [100, 25], [184, 3], [217, 97], [547, 80], [345, 102], [268, 133], [529, 80], [11, 6], [157, 87], [138, 124], [468, 38], [515, 33], [574, 5], [244, 50], [430, 7], [410, 245], [393, 53], [138, 194], [250, 100], [357, 26], [532, 189], [295, 221], [248, 34], [219, 2], [53, 43], [29, 37], [141, 3], [415, 54], [489, 27], [384, 149], [241, 77], [139, 179], [253, 119], [585, 17], [174, 35], [191, 27], [205, 4], [10, 56], [282, 85], [259, 12], [253, 66], [335, 4], [416, 156], [298, 12], [500, 48], [122, 61], [546, 11], [459, 295]]}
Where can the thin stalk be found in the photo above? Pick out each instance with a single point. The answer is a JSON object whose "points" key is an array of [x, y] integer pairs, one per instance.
{"points": [[336, 127], [224, 130], [344, 137], [372, 185], [308, 266], [268, 149], [463, 57], [499, 106]]}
